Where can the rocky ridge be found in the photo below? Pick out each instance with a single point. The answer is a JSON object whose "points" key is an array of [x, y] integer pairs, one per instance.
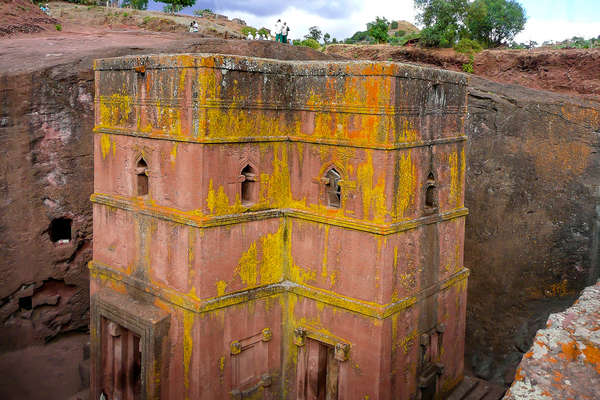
{"points": [[564, 361]]}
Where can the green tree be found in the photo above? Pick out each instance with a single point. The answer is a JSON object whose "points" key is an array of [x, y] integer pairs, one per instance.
{"points": [[378, 29], [494, 22], [136, 4], [314, 33], [201, 13], [249, 30], [309, 42], [264, 32], [326, 38], [357, 37], [173, 6], [442, 20]]}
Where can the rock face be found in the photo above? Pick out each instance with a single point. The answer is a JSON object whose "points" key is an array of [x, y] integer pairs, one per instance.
{"points": [[564, 361], [46, 122], [45, 223], [533, 197]]}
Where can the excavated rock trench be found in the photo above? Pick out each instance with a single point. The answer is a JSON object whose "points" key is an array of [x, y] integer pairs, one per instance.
{"points": [[532, 190]]}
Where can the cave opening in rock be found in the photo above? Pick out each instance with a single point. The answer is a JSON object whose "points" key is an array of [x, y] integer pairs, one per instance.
{"points": [[25, 303], [60, 229]]}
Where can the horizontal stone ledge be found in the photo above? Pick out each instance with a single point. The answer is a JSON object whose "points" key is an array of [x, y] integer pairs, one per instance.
{"points": [[194, 304], [296, 68], [207, 104], [204, 222], [293, 139]]}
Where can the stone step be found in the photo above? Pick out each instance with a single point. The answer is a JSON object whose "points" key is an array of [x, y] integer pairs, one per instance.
{"points": [[472, 388]]}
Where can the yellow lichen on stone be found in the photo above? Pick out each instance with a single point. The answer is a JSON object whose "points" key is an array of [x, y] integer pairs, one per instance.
{"points": [[115, 110], [407, 185], [278, 189], [408, 133], [272, 257], [221, 286], [457, 176], [188, 343], [105, 144], [325, 243], [247, 266], [373, 196], [173, 153], [218, 202]]}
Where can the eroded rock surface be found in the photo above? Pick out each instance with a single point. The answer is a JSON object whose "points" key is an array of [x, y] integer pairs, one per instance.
{"points": [[533, 197], [564, 361]]}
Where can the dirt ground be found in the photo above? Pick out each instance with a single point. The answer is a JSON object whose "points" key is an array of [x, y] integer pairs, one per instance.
{"points": [[33, 373], [567, 71], [19, 17]]}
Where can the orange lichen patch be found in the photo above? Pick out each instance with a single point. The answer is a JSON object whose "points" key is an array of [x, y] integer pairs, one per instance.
{"points": [[592, 356], [554, 158], [519, 376], [570, 351], [557, 376]]}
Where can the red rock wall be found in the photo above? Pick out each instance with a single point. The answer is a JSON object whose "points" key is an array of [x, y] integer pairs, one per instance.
{"points": [[532, 234], [46, 170]]}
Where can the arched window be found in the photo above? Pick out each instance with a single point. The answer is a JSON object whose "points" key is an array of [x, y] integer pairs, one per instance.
{"points": [[141, 172], [332, 188], [430, 194], [248, 185]]}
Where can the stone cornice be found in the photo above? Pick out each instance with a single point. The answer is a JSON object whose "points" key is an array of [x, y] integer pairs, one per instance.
{"points": [[195, 304], [202, 221], [262, 139]]}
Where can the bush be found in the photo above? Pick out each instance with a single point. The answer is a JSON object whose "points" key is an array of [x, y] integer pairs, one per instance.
{"points": [[264, 32], [394, 25], [468, 67], [310, 42], [468, 46], [249, 30], [206, 11], [58, 27]]}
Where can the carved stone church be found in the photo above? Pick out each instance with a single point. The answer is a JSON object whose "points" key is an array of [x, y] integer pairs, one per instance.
{"points": [[277, 230]]}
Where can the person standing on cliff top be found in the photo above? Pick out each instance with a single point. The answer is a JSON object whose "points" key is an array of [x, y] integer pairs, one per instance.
{"points": [[277, 30], [284, 32]]}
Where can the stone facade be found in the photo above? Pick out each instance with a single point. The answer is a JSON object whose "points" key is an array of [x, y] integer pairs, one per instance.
{"points": [[270, 229]]}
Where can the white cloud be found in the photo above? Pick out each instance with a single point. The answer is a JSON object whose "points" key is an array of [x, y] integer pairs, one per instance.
{"points": [[300, 20], [556, 30]]}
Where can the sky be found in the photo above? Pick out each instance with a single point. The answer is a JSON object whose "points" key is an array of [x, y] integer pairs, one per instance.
{"points": [[547, 19]]}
